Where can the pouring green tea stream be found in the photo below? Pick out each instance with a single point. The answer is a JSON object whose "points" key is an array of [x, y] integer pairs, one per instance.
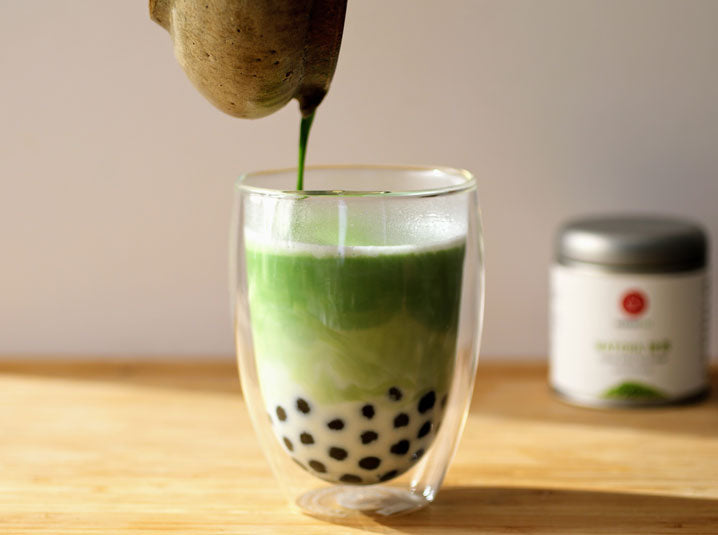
{"points": [[304, 129]]}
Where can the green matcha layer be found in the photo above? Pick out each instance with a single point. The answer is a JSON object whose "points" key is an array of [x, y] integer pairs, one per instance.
{"points": [[349, 327]]}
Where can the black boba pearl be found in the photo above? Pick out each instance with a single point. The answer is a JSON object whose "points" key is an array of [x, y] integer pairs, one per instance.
{"points": [[400, 448], [281, 414], [427, 402], [388, 475], [338, 453], [368, 436], [401, 420], [417, 454], [288, 443], [368, 411], [443, 401], [370, 463], [395, 394], [425, 429], [303, 406], [317, 466], [336, 424], [350, 478], [306, 438]]}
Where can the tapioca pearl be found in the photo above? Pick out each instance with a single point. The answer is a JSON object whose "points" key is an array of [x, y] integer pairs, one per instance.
{"points": [[424, 430], [370, 463], [281, 413], [368, 437], [288, 443], [400, 448], [368, 411], [417, 454], [427, 402], [350, 478], [395, 394], [389, 475], [317, 466], [306, 438], [336, 425], [338, 453], [401, 420], [443, 401], [303, 406]]}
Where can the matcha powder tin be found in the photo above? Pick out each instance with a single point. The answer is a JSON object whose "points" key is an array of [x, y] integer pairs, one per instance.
{"points": [[629, 312]]}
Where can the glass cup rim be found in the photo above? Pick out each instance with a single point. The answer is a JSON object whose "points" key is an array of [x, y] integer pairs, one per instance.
{"points": [[468, 183]]}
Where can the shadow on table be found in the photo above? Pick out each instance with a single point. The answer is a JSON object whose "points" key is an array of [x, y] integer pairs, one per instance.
{"points": [[553, 511], [210, 375], [527, 396]]}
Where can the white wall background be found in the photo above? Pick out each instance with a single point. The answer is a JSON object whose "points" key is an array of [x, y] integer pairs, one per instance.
{"points": [[116, 176]]}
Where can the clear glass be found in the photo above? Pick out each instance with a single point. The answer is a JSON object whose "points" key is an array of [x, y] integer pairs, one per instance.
{"points": [[358, 309]]}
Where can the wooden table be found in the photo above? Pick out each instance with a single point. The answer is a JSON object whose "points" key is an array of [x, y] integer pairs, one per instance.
{"points": [[167, 448]]}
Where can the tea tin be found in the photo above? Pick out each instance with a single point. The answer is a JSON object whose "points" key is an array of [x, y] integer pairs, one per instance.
{"points": [[628, 311]]}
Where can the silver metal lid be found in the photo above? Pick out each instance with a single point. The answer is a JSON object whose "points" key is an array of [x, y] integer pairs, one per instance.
{"points": [[633, 244]]}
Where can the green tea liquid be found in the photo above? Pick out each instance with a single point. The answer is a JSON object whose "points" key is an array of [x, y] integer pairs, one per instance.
{"points": [[349, 327], [304, 128]]}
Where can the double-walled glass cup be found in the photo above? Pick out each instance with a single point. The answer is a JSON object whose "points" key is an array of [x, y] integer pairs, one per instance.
{"points": [[358, 307]]}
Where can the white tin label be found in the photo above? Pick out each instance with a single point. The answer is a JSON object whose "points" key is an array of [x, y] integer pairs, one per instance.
{"points": [[628, 337]]}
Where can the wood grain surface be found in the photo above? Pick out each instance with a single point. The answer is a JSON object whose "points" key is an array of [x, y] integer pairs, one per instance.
{"points": [[168, 448]]}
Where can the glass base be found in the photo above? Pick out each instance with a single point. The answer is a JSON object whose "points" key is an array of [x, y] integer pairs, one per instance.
{"points": [[343, 502]]}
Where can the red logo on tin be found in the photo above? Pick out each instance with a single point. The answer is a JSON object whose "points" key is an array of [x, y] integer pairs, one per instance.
{"points": [[634, 302]]}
